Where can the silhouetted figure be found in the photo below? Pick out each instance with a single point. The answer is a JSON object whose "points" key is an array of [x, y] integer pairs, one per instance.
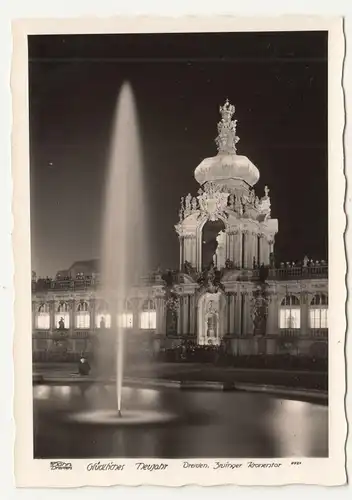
{"points": [[102, 323], [263, 273], [272, 260], [61, 324], [83, 366]]}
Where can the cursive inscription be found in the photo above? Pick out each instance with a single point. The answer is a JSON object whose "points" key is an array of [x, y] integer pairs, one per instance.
{"points": [[98, 466], [199, 465], [150, 467], [263, 466], [226, 465]]}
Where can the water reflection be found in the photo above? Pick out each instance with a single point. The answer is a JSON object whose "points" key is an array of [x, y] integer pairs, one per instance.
{"points": [[210, 424]]}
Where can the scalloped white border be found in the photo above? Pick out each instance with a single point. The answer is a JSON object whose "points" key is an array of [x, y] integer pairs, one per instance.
{"points": [[30, 472]]}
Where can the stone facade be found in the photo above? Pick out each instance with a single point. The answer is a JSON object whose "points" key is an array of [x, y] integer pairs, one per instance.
{"points": [[227, 291]]}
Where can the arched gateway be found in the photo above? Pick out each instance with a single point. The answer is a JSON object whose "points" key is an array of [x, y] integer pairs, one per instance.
{"points": [[225, 227]]}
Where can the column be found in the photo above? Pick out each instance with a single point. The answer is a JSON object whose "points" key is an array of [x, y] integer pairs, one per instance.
{"points": [[185, 315], [179, 317], [304, 313], [163, 316], [92, 325], [181, 252], [246, 314], [238, 314], [237, 255], [72, 312], [232, 313], [254, 248], [266, 251], [244, 248], [192, 314], [52, 310], [248, 250], [272, 319]]}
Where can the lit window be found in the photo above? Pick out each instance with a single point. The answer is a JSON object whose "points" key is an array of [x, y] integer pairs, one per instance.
{"points": [[62, 317], [318, 313], [103, 320], [125, 320], [43, 317], [148, 316], [82, 316], [290, 313]]}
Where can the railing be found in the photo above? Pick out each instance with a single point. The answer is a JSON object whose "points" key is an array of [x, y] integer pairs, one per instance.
{"points": [[298, 272], [290, 332], [41, 334], [321, 333]]}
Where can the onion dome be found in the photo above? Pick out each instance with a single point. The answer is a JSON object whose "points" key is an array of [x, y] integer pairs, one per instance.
{"points": [[227, 167]]}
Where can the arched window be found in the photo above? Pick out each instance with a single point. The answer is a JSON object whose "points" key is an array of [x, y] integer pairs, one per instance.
{"points": [[148, 316], [82, 315], [318, 312], [62, 316], [43, 317], [103, 317], [125, 318], [290, 313]]}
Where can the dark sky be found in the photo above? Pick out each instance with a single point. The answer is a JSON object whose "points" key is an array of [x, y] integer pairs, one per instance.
{"points": [[277, 81]]}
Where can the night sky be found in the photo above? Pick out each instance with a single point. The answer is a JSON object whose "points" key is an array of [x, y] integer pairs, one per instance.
{"points": [[277, 81]]}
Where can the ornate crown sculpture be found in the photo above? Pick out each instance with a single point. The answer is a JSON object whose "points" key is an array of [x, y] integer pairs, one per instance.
{"points": [[227, 139]]}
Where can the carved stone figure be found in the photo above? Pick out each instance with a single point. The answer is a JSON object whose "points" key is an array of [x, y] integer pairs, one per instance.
{"points": [[194, 203], [219, 256], [188, 202], [260, 303], [227, 139]]}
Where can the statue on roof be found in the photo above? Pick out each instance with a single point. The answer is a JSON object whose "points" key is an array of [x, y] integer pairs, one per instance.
{"points": [[227, 139], [264, 205], [188, 202]]}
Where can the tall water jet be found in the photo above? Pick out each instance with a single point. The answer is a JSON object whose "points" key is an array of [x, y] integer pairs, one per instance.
{"points": [[125, 254]]}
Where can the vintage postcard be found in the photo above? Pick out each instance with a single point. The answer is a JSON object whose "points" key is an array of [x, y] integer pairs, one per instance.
{"points": [[179, 252]]}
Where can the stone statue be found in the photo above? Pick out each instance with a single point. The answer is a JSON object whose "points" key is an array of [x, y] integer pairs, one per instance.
{"points": [[194, 203], [61, 324], [305, 261], [219, 256], [188, 202]]}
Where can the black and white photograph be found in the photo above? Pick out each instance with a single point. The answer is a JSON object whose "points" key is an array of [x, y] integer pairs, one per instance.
{"points": [[180, 248]]}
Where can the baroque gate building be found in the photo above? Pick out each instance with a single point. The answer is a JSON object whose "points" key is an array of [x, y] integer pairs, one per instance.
{"points": [[227, 291]]}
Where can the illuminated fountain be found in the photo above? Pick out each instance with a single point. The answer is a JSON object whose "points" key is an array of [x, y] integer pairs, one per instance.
{"points": [[125, 252]]}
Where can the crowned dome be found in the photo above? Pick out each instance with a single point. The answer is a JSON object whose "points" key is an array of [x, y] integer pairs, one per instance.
{"points": [[227, 165]]}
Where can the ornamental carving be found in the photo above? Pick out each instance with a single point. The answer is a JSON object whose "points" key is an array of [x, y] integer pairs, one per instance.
{"points": [[259, 310], [213, 201]]}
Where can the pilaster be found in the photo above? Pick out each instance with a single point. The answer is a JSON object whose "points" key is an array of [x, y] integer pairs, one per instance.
{"points": [[185, 314], [232, 313], [305, 313]]}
